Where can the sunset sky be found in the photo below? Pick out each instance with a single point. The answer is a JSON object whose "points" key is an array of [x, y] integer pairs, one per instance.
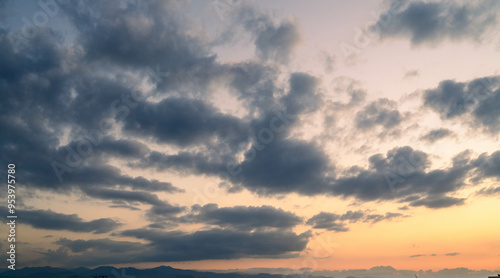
{"points": [[233, 134]]}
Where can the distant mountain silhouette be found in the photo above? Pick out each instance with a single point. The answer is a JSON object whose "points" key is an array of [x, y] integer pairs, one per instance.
{"points": [[158, 272]]}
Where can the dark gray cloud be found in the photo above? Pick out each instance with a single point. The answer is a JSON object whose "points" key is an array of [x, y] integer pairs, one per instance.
{"points": [[53, 101], [338, 223], [475, 99], [277, 42], [266, 168], [352, 216], [123, 195], [274, 41], [438, 202], [491, 191], [56, 96], [221, 244], [172, 53], [437, 134], [374, 218], [176, 246], [160, 211], [106, 245], [382, 112], [164, 212], [403, 173], [302, 97], [183, 122], [87, 176], [418, 255], [123, 148], [50, 220], [187, 162], [42, 155], [79, 98], [284, 166], [375, 182], [433, 22], [487, 166], [255, 84], [243, 218], [328, 221]]}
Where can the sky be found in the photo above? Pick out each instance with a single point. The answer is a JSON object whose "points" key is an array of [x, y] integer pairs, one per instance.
{"points": [[319, 135]]}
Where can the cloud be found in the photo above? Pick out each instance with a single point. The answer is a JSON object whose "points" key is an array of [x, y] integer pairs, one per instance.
{"points": [[187, 162], [106, 245], [352, 216], [50, 220], [172, 47], [68, 103], [255, 84], [336, 222], [274, 41], [473, 102], [416, 256], [328, 221], [381, 112], [491, 191], [221, 244], [488, 166], [44, 162], [277, 42], [73, 102], [403, 173], [374, 218], [435, 22], [452, 254], [68, 106], [411, 74], [123, 195], [437, 134], [243, 218], [302, 96], [59, 88], [215, 244], [87, 177], [438, 202], [284, 166], [183, 122], [124, 148], [161, 212]]}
